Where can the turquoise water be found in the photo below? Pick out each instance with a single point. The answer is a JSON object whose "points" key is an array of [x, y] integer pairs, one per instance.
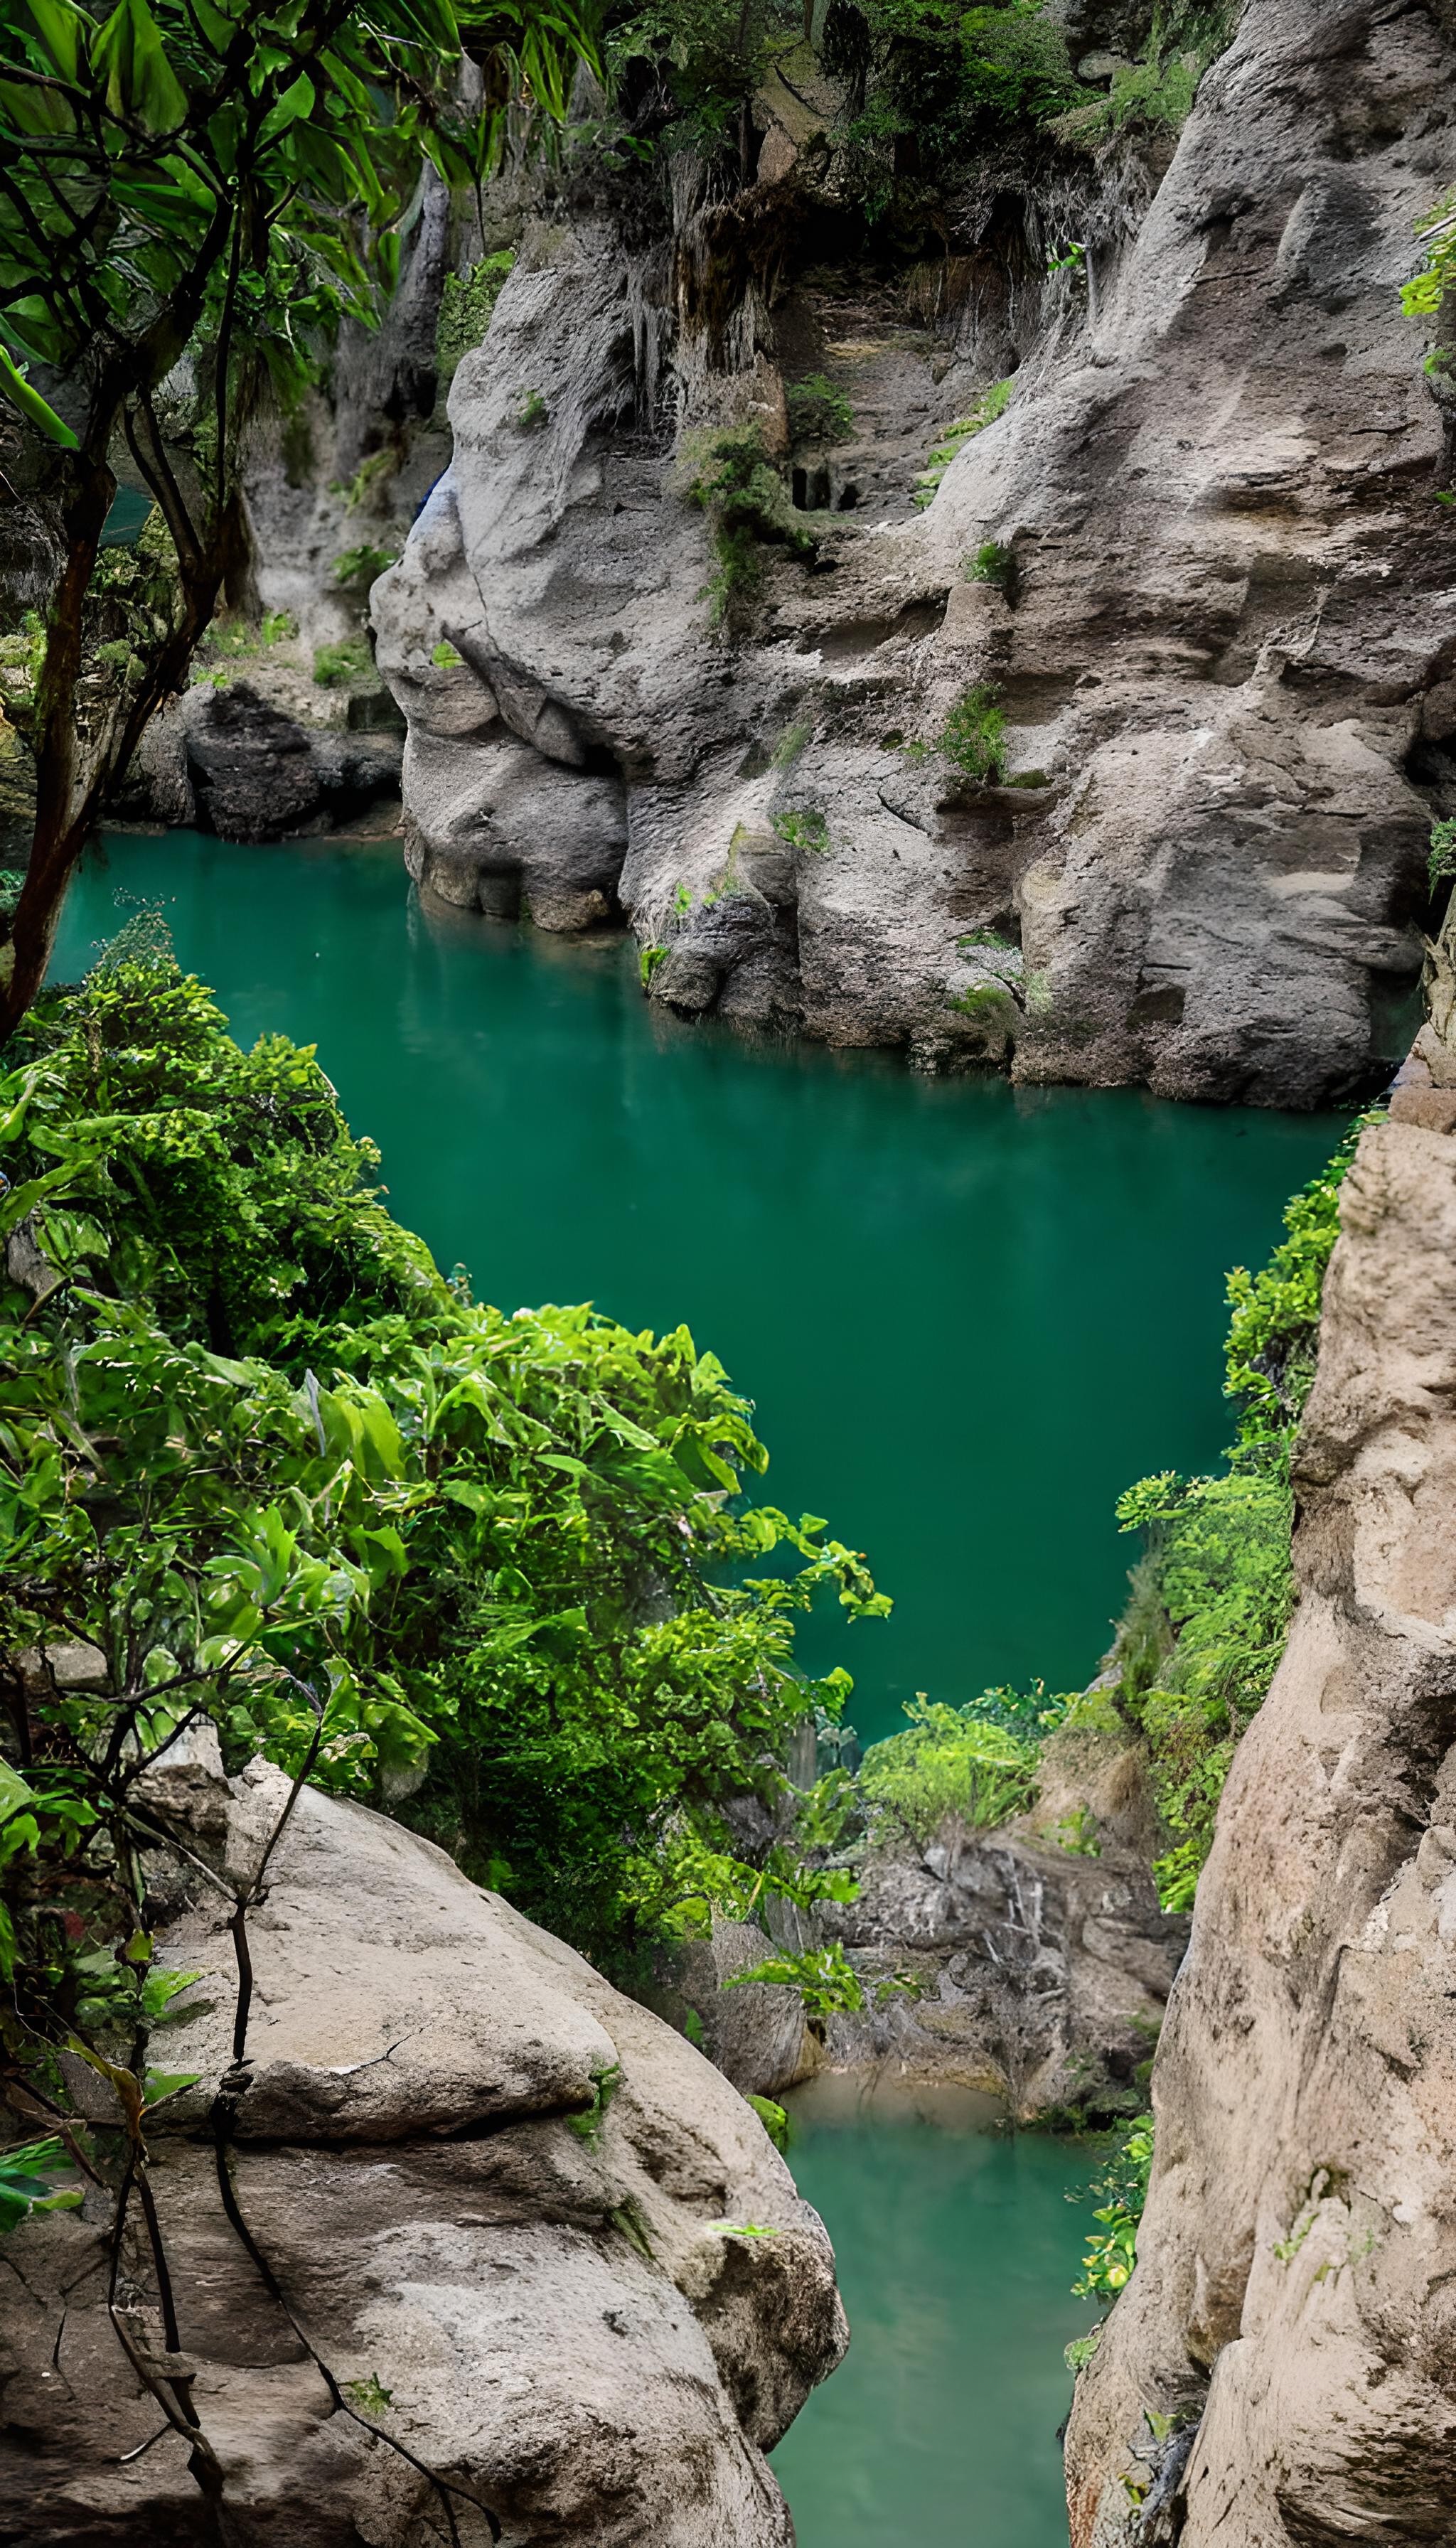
{"points": [[968, 1316], [955, 2252]]}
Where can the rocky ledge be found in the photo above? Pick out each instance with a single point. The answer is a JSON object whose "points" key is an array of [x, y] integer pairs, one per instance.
{"points": [[1220, 630], [477, 2232]]}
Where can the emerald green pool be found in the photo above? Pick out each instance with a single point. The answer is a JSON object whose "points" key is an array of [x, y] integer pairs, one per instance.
{"points": [[969, 1317], [956, 2250]]}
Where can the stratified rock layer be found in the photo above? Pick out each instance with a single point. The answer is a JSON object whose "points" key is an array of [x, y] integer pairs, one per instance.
{"points": [[1224, 662], [1296, 2283], [489, 2200]]}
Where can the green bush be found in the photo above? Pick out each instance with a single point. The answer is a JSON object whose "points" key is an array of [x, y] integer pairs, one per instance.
{"points": [[466, 307], [284, 1476], [749, 507], [1158, 89], [971, 735], [1122, 2189], [335, 667], [950, 1760], [802, 828], [1202, 1636], [991, 403], [818, 412], [1442, 862], [994, 564]]}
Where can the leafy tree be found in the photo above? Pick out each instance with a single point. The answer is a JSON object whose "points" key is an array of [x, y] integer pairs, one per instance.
{"points": [[260, 1465], [222, 182]]}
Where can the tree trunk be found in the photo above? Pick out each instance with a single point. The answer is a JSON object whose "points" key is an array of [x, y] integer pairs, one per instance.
{"points": [[60, 821]]}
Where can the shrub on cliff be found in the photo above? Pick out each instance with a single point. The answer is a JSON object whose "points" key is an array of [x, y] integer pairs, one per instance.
{"points": [[262, 1466], [1202, 1636]]}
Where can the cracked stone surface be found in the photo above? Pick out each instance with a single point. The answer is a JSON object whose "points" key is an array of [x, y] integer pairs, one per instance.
{"points": [[481, 2189]]}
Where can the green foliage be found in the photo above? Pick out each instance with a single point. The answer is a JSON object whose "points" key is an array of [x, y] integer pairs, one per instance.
{"points": [[253, 167], [466, 308], [818, 412], [773, 2120], [1081, 2350], [369, 2394], [1202, 1636], [1423, 295], [684, 68], [532, 412], [1442, 863], [445, 655], [648, 961], [824, 1978], [973, 732], [277, 1472], [933, 85], [994, 564], [1123, 2188], [362, 566], [1156, 91], [30, 2174], [991, 403], [748, 504], [802, 827], [1274, 1330], [279, 627], [950, 1760], [335, 667]]}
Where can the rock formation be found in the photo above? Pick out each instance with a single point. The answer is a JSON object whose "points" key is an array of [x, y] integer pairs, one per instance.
{"points": [[481, 2224], [260, 761], [1222, 646], [1041, 1976], [1293, 2308]]}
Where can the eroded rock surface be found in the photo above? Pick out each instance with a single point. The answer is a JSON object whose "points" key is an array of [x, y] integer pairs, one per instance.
{"points": [[1295, 2301], [1224, 662], [1041, 1976], [249, 763], [481, 2190]]}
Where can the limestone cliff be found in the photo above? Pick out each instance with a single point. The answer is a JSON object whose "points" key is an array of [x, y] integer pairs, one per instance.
{"points": [[1294, 2306], [458, 2228], [1222, 646]]}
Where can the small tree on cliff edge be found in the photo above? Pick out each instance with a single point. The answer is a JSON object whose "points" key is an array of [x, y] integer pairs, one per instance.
{"points": [[223, 180]]}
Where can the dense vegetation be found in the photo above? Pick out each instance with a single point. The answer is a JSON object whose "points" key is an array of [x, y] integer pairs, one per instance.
{"points": [[262, 1466], [927, 87], [199, 191]]}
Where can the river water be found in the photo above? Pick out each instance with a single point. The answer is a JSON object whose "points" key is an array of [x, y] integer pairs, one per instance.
{"points": [[968, 1316]]}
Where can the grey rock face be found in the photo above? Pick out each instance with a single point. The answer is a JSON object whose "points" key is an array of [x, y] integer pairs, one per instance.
{"points": [[1043, 1975], [1225, 675], [477, 2193], [234, 763], [1295, 2296]]}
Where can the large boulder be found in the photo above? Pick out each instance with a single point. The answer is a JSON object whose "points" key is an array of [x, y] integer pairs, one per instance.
{"points": [[479, 2232]]}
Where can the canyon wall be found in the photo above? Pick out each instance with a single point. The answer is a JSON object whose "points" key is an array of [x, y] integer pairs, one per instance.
{"points": [[1224, 648], [1281, 2370]]}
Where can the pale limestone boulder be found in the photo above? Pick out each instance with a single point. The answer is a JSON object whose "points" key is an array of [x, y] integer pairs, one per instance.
{"points": [[561, 2330], [1295, 2298]]}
